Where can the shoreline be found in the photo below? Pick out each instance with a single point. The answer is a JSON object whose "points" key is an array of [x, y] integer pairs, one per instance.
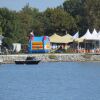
{"points": [[10, 59]]}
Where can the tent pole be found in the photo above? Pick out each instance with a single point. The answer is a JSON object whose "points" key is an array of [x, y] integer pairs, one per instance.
{"points": [[85, 46]]}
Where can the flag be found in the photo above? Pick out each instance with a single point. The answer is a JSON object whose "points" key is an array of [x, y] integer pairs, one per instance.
{"points": [[76, 35], [31, 35]]}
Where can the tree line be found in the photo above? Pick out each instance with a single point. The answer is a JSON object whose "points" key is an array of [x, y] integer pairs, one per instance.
{"points": [[71, 16]]}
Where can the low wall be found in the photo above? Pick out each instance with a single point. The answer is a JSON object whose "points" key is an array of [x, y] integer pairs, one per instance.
{"points": [[51, 57]]}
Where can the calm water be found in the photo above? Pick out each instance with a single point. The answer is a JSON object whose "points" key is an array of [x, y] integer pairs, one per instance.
{"points": [[50, 81]]}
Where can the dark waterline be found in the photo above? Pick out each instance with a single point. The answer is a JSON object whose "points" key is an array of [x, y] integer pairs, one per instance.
{"points": [[50, 81]]}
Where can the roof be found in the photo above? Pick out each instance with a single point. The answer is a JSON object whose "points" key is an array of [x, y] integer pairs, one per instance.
{"points": [[95, 35], [67, 38], [61, 39], [87, 35], [55, 38]]}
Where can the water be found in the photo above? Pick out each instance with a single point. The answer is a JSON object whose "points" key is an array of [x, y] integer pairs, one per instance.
{"points": [[50, 81]]}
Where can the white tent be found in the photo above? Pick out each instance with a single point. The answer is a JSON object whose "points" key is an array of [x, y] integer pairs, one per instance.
{"points": [[93, 36], [87, 35], [16, 47], [91, 41], [94, 40]]}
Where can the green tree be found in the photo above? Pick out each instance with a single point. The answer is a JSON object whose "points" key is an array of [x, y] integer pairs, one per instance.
{"points": [[92, 12], [7, 18], [0, 30], [31, 20], [58, 20], [76, 9]]}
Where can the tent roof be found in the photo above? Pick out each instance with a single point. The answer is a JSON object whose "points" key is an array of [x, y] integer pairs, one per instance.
{"points": [[55, 38], [95, 35], [61, 39], [67, 38], [87, 35]]}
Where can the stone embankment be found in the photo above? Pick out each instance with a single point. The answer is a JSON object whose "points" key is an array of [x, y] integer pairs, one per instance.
{"points": [[51, 57]]}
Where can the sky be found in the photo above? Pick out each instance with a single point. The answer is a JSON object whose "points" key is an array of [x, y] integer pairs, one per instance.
{"points": [[40, 4]]}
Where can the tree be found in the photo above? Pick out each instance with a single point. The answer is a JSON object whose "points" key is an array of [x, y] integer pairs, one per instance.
{"points": [[7, 19], [74, 7], [92, 12], [33, 20], [58, 20], [0, 30]]}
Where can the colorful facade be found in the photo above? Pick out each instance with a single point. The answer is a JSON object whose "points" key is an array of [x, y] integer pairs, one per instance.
{"points": [[39, 44]]}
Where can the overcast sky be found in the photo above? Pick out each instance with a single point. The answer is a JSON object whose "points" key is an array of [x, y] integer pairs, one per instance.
{"points": [[40, 4]]}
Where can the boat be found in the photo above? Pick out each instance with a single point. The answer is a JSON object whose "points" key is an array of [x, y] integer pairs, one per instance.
{"points": [[29, 60]]}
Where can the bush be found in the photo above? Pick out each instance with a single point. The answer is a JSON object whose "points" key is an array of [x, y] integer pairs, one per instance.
{"points": [[52, 57]]}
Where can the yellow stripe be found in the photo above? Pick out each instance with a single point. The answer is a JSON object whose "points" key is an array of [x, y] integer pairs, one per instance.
{"points": [[37, 48], [37, 43]]}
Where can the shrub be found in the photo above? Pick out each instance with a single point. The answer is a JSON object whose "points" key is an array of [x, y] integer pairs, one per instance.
{"points": [[52, 57]]}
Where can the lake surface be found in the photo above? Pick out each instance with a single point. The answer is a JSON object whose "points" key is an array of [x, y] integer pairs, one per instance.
{"points": [[50, 81]]}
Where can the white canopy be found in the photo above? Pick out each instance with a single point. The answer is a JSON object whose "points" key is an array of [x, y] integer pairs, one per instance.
{"points": [[87, 35]]}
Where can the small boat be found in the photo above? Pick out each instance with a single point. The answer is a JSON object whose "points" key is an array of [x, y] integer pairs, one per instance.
{"points": [[29, 60]]}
